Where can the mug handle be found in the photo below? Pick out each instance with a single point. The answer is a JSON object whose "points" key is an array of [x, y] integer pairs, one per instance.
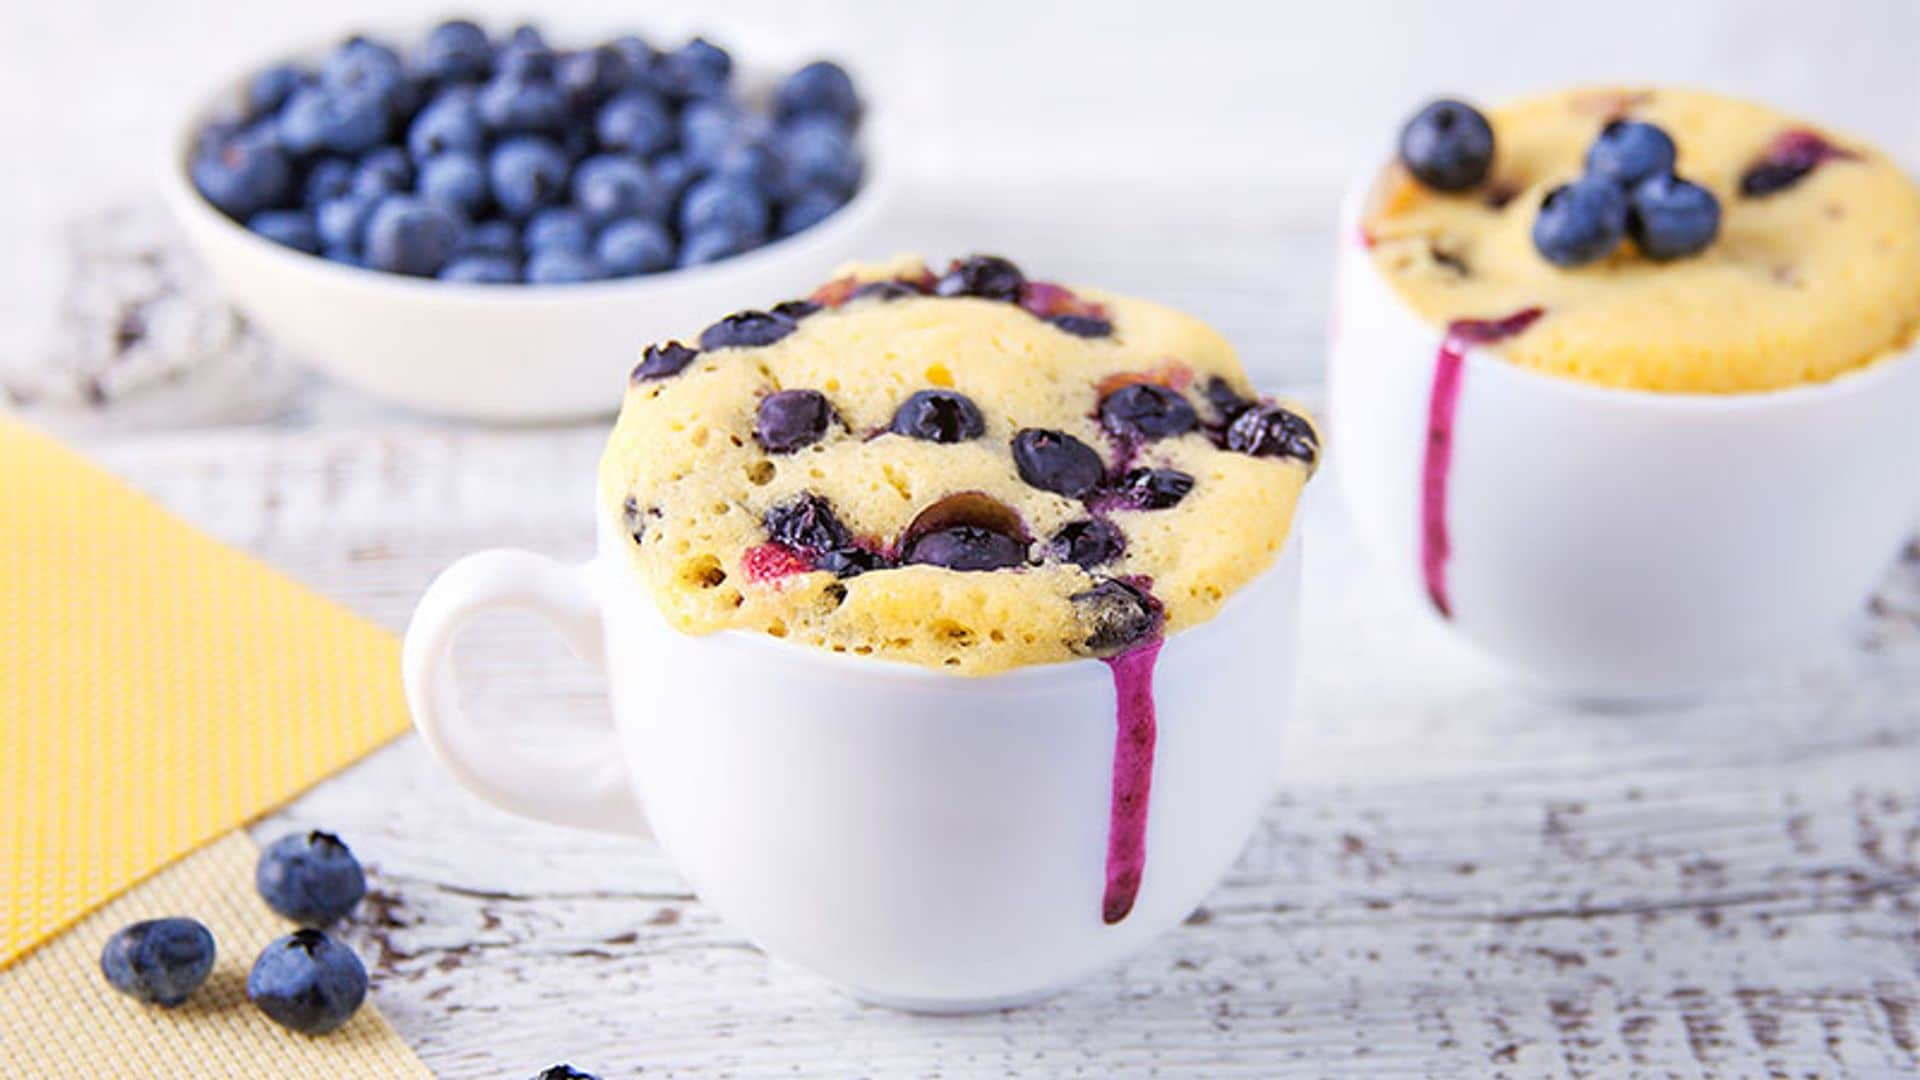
{"points": [[592, 792]]}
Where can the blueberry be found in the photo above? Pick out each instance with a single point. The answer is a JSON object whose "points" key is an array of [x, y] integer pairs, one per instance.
{"points": [[1086, 326], [1448, 146], [589, 76], [511, 105], [310, 878], [526, 56], [316, 119], [411, 236], [637, 122], [884, 290], [362, 65], [613, 186], [244, 175], [967, 548], [640, 55], [1148, 411], [708, 128], [558, 228], [821, 87], [342, 222], [664, 361], [850, 562], [343, 255], [554, 266], [724, 202], [328, 178], [482, 268], [291, 228], [159, 961], [383, 172], [809, 208], [626, 248], [564, 1071], [754, 163], [449, 122], [491, 238], [1273, 431], [1057, 462], [1117, 615], [1670, 218], [458, 180], [942, 416], [1087, 544], [790, 419], [807, 523], [674, 174], [307, 982], [712, 245], [454, 51], [1580, 222], [818, 154], [528, 172], [1155, 489], [746, 329], [1629, 151], [795, 309], [270, 89], [989, 277], [1226, 401], [697, 69]]}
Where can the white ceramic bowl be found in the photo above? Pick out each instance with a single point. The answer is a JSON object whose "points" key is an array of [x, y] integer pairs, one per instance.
{"points": [[503, 352], [927, 840], [1617, 544]]}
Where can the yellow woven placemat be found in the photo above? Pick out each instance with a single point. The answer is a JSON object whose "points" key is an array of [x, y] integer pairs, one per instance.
{"points": [[59, 1018], [157, 688]]}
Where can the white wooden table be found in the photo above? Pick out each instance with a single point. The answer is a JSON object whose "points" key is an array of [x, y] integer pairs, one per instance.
{"points": [[1453, 878]]}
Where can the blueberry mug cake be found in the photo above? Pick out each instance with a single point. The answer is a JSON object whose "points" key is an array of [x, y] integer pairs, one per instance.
{"points": [[968, 471]]}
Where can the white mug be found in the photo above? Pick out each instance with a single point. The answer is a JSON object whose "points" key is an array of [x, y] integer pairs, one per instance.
{"points": [[929, 841], [1609, 544]]}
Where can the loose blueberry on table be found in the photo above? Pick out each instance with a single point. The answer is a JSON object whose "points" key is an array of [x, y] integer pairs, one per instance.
{"points": [[307, 982], [437, 162], [159, 961], [311, 878]]}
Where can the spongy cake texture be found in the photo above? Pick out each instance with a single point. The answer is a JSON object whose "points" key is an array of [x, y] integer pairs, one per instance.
{"points": [[692, 485], [1803, 283]]}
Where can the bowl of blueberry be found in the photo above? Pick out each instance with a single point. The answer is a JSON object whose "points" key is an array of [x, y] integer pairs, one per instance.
{"points": [[489, 225]]}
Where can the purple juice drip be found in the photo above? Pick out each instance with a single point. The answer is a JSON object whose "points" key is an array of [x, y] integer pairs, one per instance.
{"points": [[1134, 734], [1442, 402]]}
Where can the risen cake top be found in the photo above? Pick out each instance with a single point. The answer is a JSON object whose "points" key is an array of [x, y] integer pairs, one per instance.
{"points": [[969, 471], [1815, 270]]}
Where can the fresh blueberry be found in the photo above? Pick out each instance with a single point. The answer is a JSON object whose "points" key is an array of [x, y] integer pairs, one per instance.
{"points": [[456, 179], [966, 548], [1226, 401], [987, 276], [612, 186], [1117, 615], [512, 105], [159, 961], [383, 172], [713, 245], [1154, 489], [292, 228], [664, 361], [342, 222], [362, 65], [449, 122], [554, 266], [818, 154], [270, 89], [411, 236], [807, 523], [674, 174], [316, 119], [342, 255], [328, 178], [453, 52], [626, 248], [589, 76], [724, 202], [558, 228], [850, 562], [495, 237], [564, 1071], [790, 419], [482, 269], [637, 122], [528, 172], [526, 56], [746, 329], [1273, 431], [1085, 326], [821, 87], [640, 55], [244, 175], [307, 982], [697, 69], [1147, 411], [809, 208], [1629, 151], [754, 162], [1448, 146], [1087, 544], [526, 36], [1580, 222], [310, 878], [708, 128], [1670, 218], [941, 416], [1057, 462]]}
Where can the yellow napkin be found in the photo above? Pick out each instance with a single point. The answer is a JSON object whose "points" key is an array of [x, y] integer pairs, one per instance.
{"points": [[157, 688], [58, 1018]]}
